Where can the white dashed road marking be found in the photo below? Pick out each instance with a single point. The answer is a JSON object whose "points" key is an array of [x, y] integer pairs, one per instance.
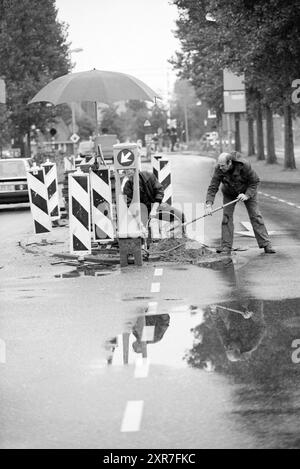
{"points": [[152, 307], [132, 416], [291, 204], [141, 367], [155, 287], [158, 272], [148, 334]]}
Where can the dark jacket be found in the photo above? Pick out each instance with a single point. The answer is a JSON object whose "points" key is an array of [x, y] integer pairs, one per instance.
{"points": [[160, 322], [151, 190], [241, 179], [248, 333]]}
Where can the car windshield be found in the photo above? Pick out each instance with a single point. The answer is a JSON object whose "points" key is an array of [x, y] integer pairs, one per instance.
{"points": [[12, 169]]}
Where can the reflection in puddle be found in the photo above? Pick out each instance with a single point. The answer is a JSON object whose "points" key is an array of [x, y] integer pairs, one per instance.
{"points": [[87, 271], [250, 343], [247, 342], [162, 338]]}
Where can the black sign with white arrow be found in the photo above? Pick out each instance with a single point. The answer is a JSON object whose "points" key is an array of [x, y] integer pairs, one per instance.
{"points": [[125, 158]]}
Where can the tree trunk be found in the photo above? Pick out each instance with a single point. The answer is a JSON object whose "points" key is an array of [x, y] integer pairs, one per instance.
{"points": [[259, 133], [220, 128], [271, 155], [28, 145], [251, 145], [237, 132], [289, 157]]}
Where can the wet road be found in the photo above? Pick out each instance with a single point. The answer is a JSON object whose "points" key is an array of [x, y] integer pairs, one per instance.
{"points": [[165, 356]]}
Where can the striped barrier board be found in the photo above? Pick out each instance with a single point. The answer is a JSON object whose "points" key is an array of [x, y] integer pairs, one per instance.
{"points": [[52, 189], [101, 196], [161, 167], [38, 198], [79, 213], [78, 161], [90, 160], [69, 163]]}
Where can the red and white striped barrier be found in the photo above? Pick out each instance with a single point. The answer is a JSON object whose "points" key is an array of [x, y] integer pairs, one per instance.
{"points": [[101, 196], [52, 189], [161, 167], [79, 213], [38, 198], [69, 163]]}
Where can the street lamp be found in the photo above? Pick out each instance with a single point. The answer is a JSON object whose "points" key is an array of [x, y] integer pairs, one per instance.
{"points": [[210, 17], [74, 51]]}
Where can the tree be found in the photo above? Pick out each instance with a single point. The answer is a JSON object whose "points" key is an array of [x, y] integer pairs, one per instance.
{"points": [[199, 61], [258, 38], [186, 106], [33, 51], [86, 126]]}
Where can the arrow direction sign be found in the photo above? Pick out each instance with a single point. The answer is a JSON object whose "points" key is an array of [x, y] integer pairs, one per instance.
{"points": [[249, 230], [125, 158]]}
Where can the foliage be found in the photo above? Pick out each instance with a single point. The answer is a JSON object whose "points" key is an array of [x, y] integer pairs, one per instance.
{"points": [[186, 104], [128, 122], [255, 37], [86, 127], [33, 51]]}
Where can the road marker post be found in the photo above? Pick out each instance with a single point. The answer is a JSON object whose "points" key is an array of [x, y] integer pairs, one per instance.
{"points": [[161, 167], [88, 160], [129, 225], [69, 163], [101, 196], [38, 197], [79, 213], [52, 189]]}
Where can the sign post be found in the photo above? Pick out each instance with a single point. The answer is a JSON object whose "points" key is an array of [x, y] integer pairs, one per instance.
{"points": [[234, 98], [129, 225], [148, 138]]}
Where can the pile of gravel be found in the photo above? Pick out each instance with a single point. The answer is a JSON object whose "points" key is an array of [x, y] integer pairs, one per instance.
{"points": [[182, 250]]}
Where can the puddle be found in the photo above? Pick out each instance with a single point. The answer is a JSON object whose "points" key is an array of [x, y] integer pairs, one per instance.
{"points": [[217, 264], [86, 271], [30, 278], [135, 298], [249, 345], [178, 268], [26, 297]]}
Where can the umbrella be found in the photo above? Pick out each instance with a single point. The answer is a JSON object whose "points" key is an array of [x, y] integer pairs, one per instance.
{"points": [[95, 85]]}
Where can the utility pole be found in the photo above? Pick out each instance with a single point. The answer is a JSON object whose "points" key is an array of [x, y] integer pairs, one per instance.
{"points": [[74, 51], [186, 123]]}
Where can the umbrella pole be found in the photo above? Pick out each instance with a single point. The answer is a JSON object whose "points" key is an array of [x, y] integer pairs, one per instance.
{"points": [[96, 118]]}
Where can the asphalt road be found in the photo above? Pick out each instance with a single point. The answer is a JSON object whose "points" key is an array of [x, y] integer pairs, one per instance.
{"points": [[70, 377]]}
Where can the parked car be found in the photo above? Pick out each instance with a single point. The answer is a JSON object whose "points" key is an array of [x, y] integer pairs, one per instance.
{"points": [[13, 181]]}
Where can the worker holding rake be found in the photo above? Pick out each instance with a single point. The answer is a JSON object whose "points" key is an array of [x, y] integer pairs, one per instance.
{"points": [[239, 183]]}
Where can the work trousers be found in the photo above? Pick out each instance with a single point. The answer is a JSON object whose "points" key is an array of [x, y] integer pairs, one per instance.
{"points": [[165, 212], [256, 220]]}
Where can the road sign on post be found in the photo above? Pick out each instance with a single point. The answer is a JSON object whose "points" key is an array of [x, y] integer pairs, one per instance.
{"points": [[129, 224], [74, 138], [234, 101], [232, 81], [234, 92]]}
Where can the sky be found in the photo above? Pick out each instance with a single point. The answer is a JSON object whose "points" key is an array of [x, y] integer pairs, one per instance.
{"points": [[129, 36]]}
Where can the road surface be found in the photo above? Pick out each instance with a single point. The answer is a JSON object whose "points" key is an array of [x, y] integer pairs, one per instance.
{"points": [[70, 377]]}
